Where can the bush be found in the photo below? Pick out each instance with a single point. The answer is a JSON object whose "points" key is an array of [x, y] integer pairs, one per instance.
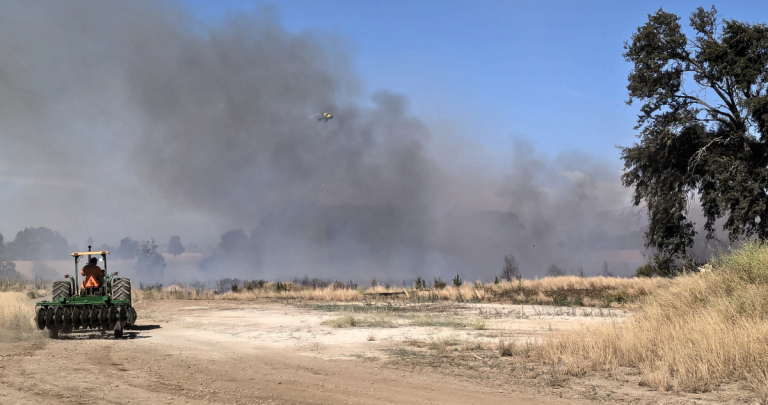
{"points": [[555, 271], [645, 270], [438, 283], [457, 281], [151, 287], [345, 321], [506, 348], [660, 265]]}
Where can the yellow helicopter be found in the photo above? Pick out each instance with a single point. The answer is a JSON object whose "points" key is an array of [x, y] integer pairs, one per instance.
{"points": [[323, 116]]}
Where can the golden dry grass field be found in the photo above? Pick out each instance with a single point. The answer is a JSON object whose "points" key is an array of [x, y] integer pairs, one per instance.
{"points": [[693, 339]]}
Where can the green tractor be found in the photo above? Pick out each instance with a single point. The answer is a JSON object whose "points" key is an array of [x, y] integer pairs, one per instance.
{"points": [[104, 303]]}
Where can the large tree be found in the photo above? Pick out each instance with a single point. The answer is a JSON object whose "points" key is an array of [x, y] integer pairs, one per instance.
{"points": [[127, 249], [149, 264], [8, 269], [175, 247], [703, 127], [37, 244]]}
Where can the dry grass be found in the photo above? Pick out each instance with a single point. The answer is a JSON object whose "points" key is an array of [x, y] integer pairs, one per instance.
{"points": [[181, 292], [562, 291], [703, 331], [506, 348], [372, 320], [344, 321], [16, 316], [22, 285]]}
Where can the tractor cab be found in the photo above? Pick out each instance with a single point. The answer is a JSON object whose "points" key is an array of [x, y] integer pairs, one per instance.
{"points": [[95, 281]]}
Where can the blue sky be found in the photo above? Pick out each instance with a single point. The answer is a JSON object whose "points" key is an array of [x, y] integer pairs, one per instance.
{"points": [[547, 71]]}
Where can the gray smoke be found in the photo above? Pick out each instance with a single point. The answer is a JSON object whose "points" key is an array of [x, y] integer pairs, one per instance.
{"points": [[136, 120]]}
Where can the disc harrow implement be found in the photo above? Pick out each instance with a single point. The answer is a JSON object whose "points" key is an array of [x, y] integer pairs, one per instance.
{"points": [[103, 302]]}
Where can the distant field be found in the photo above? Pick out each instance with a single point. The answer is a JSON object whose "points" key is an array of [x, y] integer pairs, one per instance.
{"points": [[559, 291]]}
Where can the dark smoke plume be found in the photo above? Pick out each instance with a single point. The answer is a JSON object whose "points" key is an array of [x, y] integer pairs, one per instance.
{"points": [[141, 121]]}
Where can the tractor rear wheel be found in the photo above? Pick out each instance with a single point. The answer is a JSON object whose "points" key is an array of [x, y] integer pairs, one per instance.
{"points": [[121, 289], [61, 289]]}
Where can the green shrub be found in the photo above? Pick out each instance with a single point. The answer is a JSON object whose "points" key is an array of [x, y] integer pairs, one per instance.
{"points": [[457, 281], [645, 270]]}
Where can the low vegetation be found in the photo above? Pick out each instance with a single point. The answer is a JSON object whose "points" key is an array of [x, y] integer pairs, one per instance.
{"points": [[559, 291], [702, 331], [16, 311]]}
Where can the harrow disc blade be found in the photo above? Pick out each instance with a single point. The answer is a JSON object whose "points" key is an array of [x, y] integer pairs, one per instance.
{"points": [[104, 317], [58, 317], [49, 318], [76, 317], [67, 318], [40, 318], [112, 317], [85, 313], [94, 317]]}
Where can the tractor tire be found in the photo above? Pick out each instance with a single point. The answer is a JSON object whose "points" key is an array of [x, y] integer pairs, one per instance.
{"points": [[121, 289], [61, 289]]}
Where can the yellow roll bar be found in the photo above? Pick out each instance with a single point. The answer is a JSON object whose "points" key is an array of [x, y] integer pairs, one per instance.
{"points": [[96, 252]]}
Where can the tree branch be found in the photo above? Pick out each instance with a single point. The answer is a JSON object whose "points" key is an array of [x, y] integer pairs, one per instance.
{"points": [[709, 107]]}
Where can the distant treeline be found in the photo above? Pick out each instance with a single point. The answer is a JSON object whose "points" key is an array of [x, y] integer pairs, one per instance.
{"points": [[41, 244]]}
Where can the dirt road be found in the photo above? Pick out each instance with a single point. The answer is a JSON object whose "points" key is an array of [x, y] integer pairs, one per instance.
{"points": [[214, 352]]}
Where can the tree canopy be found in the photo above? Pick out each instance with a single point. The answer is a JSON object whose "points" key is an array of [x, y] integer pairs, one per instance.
{"points": [[127, 249], [38, 244], [703, 127], [149, 264], [8, 269], [175, 247], [554, 271]]}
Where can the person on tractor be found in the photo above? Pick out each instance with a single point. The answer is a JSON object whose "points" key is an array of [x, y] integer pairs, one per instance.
{"points": [[92, 274]]}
